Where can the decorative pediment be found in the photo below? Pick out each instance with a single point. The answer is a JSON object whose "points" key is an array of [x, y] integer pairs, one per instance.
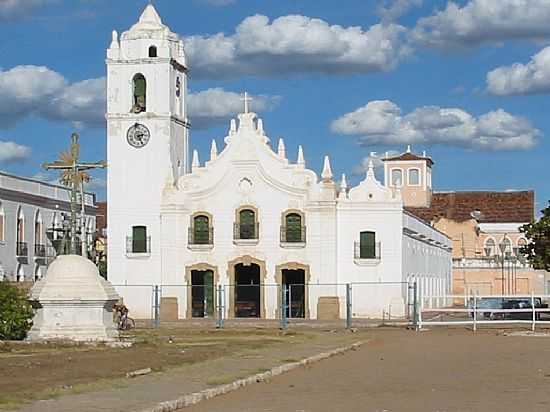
{"points": [[371, 190]]}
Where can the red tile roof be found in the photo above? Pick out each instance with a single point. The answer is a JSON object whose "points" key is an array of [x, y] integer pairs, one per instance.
{"points": [[495, 207], [410, 156]]}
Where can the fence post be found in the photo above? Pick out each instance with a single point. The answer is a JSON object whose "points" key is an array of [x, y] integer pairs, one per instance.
{"points": [[157, 306], [534, 310], [475, 311], [219, 321], [348, 306], [284, 320], [415, 306]]}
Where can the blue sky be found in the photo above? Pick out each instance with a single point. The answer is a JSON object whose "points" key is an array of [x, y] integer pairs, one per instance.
{"points": [[466, 81]]}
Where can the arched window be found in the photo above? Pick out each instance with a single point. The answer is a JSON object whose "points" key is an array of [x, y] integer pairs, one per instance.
{"points": [[247, 224], [201, 230], [414, 177], [139, 239], [21, 245], [2, 222], [490, 247], [140, 94], [367, 245], [39, 247], [293, 229], [153, 51], [506, 246], [397, 177]]}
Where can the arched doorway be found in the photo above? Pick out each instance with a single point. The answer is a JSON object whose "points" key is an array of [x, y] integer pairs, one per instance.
{"points": [[246, 294], [202, 293], [201, 279], [295, 277]]}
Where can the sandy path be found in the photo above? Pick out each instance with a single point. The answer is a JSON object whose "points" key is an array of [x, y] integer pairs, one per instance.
{"points": [[440, 371]]}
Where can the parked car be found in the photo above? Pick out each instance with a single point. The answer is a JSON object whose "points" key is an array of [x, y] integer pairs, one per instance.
{"points": [[523, 303], [494, 308]]}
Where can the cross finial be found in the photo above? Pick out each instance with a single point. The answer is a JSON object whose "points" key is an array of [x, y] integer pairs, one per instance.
{"points": [[247, 99]]}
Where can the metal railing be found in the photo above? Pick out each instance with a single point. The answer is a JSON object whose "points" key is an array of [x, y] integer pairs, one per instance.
{"points": [[477, 310], [243, 231], [138, 246], [289, 304], [39, 250], [22, 249], [293, 235], [201, 237], [367, 252]]}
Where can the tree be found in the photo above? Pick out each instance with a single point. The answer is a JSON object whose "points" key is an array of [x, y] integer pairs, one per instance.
{"points": [[537, 250], [15, 313]]}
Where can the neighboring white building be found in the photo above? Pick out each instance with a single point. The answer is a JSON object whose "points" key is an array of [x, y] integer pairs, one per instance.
{"points": [[28, 209], [248, 217]]}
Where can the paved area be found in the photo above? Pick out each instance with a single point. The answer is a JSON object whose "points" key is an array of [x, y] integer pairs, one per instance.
{"points": [[146, 391], [441, 370]]}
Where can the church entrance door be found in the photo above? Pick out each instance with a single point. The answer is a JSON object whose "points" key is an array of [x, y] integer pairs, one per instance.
{"points": [[202, 293], [295, 294], [247, 291]]}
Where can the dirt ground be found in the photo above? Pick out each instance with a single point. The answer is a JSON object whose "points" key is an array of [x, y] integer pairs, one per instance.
{"points": [[442, 370], [32, 371]]}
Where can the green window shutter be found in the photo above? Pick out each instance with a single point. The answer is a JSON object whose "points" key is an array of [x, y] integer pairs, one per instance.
{"points": [[247, 222], [139, 239], [367, 245], [293, 223], [201, 230]]}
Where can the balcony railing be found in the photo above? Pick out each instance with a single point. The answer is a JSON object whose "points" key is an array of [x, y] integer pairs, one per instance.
{"points": [[39, 250], [22, 249], [138, 246], [201, 237], [367, 252], [246, 231], [293, 234]]}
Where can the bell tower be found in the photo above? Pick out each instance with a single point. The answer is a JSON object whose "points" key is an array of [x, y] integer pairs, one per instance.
{"points": [[412, 175], [147, 141]]}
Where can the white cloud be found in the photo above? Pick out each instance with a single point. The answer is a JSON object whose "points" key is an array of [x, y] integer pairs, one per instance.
{"points": [[82, 102], [376, 159], [11, 152], [530, 78], [481, 21], [27, 90], [382, 122], [215, 106], [391, 10], [34, 90], [296, 44], [14, 9]]}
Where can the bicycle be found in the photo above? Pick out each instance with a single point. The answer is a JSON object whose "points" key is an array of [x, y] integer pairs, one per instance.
{"points": [[122, 320]]}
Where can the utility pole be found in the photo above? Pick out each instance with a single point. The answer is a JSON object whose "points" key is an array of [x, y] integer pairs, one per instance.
{"points": [[73, 174]]}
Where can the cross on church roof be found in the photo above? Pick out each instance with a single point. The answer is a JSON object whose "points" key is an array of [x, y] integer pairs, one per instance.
{"points": [[247, 99]]}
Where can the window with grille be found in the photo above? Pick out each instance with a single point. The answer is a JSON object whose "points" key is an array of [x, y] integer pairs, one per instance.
{"points": [[139, 239], [201, 230], [367, 245], [293, 229]]}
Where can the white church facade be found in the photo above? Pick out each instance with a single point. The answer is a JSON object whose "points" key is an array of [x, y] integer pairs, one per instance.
{"points": [[249, 218]]}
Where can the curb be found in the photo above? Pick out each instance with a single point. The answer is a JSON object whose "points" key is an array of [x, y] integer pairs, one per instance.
{"points": [[194, 398]]}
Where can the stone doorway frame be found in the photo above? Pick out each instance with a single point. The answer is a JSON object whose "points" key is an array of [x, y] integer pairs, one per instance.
{"points": [[246, 261], [200, 267], [279, 280]]}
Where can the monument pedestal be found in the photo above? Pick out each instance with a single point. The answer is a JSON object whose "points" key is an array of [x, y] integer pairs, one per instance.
{"points": [[73, 303]]}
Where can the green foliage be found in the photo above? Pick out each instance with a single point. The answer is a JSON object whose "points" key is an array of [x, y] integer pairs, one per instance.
{"points": [[102, 267], [537, 250], [15, 313]]}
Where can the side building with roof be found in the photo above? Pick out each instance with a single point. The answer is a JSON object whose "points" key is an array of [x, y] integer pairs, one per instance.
{"points": [[484, 227], [31, 219]]}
